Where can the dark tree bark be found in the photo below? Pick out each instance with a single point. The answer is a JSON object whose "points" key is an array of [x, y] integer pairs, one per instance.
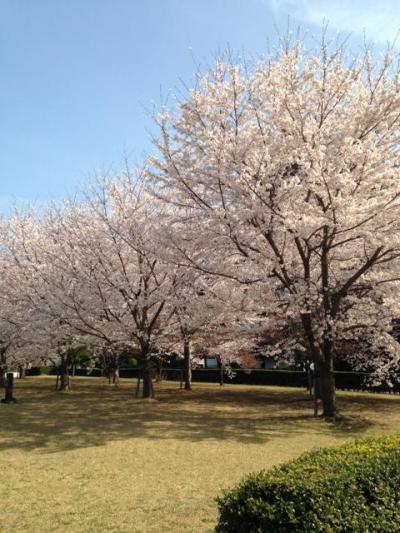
{"points": [[147, 391], [9, 390], [21, 371], [2, 377], [324, 385], [64, 382], [3, 367], [327, 391], [324, 374], [187, 365], [325, 370]]}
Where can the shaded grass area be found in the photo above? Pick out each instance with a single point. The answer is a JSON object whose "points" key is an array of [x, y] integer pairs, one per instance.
{"points": [[96, 459]]}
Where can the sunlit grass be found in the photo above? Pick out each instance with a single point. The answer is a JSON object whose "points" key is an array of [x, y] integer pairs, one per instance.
{"points": [[96, 459]]}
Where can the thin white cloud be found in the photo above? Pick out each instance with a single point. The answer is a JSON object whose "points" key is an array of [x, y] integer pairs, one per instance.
{"points": [[379, 19]]}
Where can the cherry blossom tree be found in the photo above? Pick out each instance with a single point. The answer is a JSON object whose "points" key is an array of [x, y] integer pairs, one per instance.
{"points": [[33, 294], [22, 332], [286, 174], [93, 267]]}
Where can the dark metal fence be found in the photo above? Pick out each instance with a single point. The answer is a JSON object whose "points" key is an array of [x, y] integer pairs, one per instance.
{"points": [[356, 381]]}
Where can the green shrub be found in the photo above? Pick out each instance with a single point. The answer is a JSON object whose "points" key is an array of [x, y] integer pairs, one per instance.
{"points": [[352, 488]]}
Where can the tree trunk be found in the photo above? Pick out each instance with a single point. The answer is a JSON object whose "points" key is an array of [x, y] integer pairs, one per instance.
{"points": [[64, 383], [2, 377], [147, 391], [323, 360], [115, 376], [8, 397], [221, 374], [326, 379], [158, 370], [22, 372], [187, 365], [3, 368]]}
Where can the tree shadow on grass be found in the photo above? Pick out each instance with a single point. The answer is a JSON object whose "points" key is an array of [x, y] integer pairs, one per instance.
{"points": [[93, 414]]}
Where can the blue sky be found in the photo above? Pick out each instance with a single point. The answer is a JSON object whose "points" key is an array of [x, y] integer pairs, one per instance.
{"points": [[78, 75]]}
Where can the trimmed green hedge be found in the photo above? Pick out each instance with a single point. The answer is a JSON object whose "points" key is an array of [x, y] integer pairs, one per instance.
{"points": [[352, 488]]}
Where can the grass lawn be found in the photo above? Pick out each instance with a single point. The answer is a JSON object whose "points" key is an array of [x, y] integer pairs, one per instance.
{"points": [[96, 459]]}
